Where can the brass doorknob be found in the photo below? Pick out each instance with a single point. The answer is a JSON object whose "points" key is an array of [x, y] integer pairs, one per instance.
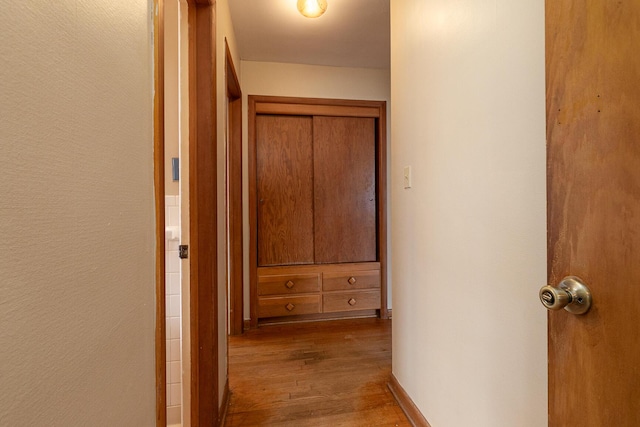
{"points": [[571, 294]]}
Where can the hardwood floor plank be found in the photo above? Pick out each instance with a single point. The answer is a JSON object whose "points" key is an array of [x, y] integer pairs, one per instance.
{"points": [[331, 373]]}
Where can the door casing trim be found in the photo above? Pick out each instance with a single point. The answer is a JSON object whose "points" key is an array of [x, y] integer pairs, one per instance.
{"points": [[158, 178], [234, 197]]}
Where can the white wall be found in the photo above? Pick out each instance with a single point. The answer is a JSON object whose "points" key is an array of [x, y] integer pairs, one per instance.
{"points": [[171, 93], [77, 214], [183, 144], [173, 263], [304, 81], [468, 239]]}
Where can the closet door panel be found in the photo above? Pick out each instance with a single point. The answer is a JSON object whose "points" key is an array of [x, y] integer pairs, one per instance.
{"points": [[344, 189], [285, 190]]}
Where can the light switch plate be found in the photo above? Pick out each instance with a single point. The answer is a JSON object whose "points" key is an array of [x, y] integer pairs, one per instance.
{"points": [[175, 168], [407, 177]]}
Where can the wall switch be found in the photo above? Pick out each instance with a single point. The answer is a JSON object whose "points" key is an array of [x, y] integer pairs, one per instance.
{"points": [[407, 177], [175, 168]]}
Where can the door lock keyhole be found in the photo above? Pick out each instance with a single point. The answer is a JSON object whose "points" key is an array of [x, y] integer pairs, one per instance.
{"points": [[571, 294], [548, 298]]}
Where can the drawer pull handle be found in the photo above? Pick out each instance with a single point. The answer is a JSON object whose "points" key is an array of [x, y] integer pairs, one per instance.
{"points": [[352, 280], [352, 301], [289, 307], [289, 284]]}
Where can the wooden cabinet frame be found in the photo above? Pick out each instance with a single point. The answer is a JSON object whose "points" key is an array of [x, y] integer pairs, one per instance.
{"points": [[318, 107]]}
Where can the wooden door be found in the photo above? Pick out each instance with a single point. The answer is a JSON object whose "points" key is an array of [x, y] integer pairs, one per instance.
{"points": [[285, 189], [593, 136], [344, 189]]}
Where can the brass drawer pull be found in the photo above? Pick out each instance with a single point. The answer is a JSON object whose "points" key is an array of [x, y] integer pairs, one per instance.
{"points": [[289, 284], [352, 301], [352, 280], [289, 307]]}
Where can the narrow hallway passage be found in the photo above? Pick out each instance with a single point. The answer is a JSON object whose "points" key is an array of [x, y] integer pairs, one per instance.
{"points": [[331, 373]]}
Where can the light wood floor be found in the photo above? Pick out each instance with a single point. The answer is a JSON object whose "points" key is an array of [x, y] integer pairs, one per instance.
{"points": [[331, 373]]}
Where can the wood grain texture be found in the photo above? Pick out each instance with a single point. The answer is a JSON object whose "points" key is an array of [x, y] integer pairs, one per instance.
{"points": [[285, 190], [234, 196], [340, 281], [158, 161], [288, 284], [317, 110], [255, 103], [289, 305], [309, 106], [344, 189], [406, 403], [313, 374], [352, 300], [253, 212], [203, 216], [224, 406], [593, 123], [381, 192], [352, 314], [338, 287], [345, 269]]}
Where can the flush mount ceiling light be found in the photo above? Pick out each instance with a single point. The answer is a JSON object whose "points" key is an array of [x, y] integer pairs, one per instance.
{"points": [[312, 8]]}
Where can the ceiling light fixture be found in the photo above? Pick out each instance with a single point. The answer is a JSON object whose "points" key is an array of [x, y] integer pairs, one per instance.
{"points": [[312, 8]]}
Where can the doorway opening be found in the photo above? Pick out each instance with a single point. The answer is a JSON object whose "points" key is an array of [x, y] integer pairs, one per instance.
{"points": [[235, 318], [197, 303]]}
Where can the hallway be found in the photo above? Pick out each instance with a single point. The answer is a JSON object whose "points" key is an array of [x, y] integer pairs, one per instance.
{"points": [[331, 373]]}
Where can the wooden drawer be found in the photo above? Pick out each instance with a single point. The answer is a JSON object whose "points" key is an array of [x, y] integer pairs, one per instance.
{"points": [[348, 301], [288, 305], [288, 284], [344, 281]]}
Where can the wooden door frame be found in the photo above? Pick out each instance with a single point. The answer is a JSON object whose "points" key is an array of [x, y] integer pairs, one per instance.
{"points": [[318, 106], [234, 195], [202, 212], [158, 159]]}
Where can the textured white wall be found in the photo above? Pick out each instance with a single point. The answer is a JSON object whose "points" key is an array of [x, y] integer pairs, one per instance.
{"points": [[468, 240], [77, 214], [306, 81]]}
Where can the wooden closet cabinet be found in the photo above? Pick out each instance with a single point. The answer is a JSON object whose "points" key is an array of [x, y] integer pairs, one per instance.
{"points": [[317, 207]]}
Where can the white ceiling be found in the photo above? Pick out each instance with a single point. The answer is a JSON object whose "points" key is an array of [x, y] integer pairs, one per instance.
{"points": [[351, 33]]}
